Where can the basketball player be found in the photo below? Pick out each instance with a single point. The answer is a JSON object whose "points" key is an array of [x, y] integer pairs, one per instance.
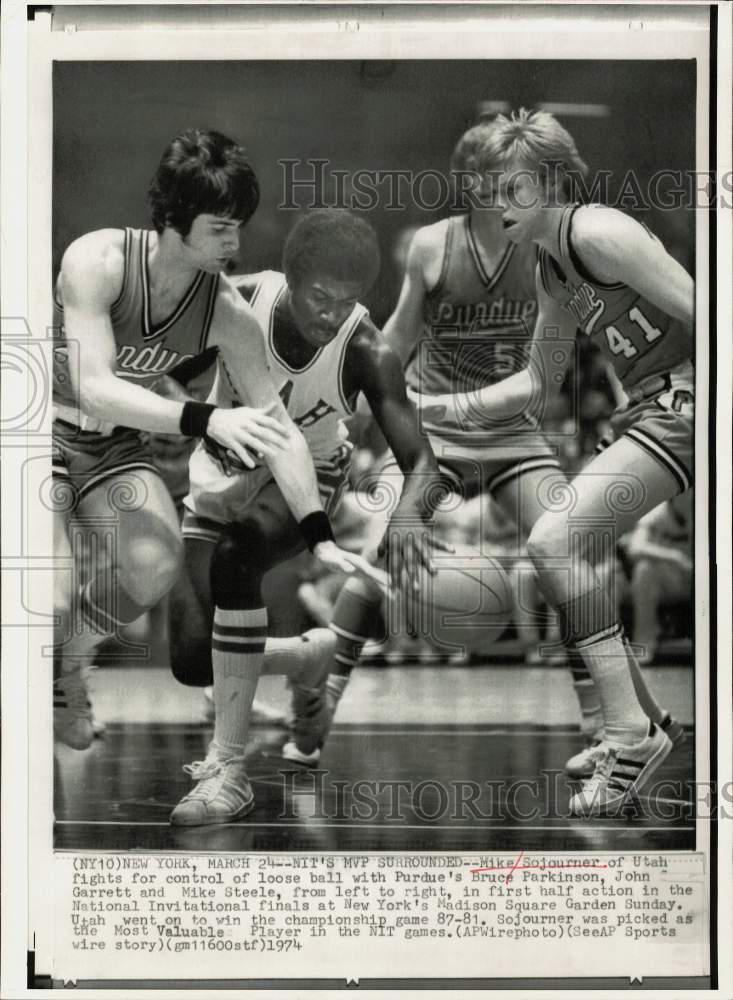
{"points": [[129, 306], [322, 350], [464, 319], [602, 272]]}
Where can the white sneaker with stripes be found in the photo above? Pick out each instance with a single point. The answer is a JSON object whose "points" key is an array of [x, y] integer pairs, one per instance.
{"points": [[222, 794], [582, 764], [619, 772]]}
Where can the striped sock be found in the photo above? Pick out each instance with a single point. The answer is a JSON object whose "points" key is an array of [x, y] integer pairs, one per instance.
{"points": [[237, 651], [284, 655], [354, 621]]}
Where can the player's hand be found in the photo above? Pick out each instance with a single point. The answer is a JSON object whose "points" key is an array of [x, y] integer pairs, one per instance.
{"points": [[334, 558], [409, 548], [246, 429]]}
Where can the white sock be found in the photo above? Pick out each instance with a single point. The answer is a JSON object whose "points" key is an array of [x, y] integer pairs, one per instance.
{"points": [[237, 652], [624, 720]]}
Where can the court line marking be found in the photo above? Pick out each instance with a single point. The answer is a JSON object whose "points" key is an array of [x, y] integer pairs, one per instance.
{"points": [[308, 824], [411, 729]]}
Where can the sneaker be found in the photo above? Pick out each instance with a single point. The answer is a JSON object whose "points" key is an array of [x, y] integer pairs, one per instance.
{"points": [[673, 729], [619, 772], [222, 794], [309, 722], [291, 752], [583, 764], [72, 711], [301, 751]]}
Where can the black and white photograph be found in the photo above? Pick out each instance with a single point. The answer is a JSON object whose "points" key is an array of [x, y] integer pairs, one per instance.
{"points": [[378, 458]]}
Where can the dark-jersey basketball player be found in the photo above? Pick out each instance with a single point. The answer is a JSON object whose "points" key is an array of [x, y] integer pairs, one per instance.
{"points": [[130, 305], [323, 351], [603, 273]]}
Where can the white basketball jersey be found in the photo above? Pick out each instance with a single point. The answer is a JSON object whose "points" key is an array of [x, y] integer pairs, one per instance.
{"points": [[313, 395]]}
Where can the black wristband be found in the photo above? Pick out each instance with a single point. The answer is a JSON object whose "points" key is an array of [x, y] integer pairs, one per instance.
{"points": [[195, 418], [316, 528]]}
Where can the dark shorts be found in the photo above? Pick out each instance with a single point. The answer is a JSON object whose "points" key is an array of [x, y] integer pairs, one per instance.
{"points": [[83, 460], [663, 425]]}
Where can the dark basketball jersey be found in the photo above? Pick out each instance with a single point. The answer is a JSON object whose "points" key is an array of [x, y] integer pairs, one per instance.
{"points": [[144, 351], [636, 337], [476, 326]]}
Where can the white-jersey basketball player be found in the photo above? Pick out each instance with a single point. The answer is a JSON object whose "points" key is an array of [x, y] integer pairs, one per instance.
{"points": [[322, 351]]}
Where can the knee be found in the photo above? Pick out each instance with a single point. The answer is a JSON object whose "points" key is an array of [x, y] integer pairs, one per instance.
{"points": [[241, 558], [151, 567], [547, 538]]}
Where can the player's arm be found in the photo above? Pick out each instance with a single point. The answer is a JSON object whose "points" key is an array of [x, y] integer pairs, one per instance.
{"points": [[236, 333], [403, 326], [91, 277], [526, 391], [615, 247], [375, 370]]}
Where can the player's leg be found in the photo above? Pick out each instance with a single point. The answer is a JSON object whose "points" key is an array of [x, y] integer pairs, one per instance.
{"points": [[648, 589], [607, 498], [126, 555], [525, 492], [191, 618], [72, 716], [141, 543], [264, 535]]}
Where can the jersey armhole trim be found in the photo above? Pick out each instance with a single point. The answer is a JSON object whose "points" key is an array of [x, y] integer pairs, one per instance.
{"points": [[542, 260], [209, 314], [447, 249], [125, 269]]}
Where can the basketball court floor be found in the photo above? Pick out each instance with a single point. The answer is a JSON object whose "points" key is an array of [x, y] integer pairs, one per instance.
{"points": [[422, 758]]}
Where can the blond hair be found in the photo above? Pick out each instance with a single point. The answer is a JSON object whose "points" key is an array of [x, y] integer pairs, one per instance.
{"points": [[531, 139]]}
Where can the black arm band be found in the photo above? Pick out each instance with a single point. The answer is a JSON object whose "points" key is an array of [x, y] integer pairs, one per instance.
{"points": [[316, 528], [195, 418]]}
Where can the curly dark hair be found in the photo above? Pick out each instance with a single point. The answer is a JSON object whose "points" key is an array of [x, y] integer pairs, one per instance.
{"points": [[202, 172], [335, 242]]}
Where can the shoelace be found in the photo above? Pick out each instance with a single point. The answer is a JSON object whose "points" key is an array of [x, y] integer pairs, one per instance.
{"points": [[211, 767], [604, 759]]}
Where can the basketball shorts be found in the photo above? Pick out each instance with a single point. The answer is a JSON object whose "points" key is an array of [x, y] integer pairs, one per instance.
{"points": [[479, 460], [660, 418], [85, 459], [215, 499]]}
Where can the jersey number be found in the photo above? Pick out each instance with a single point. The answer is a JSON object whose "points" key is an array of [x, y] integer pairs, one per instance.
{"points": [[624, 345]]}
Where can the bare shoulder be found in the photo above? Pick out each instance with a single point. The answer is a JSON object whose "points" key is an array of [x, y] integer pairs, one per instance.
{"points": [[429, 241], [94, 265], [234, 318], [600, 227]]}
